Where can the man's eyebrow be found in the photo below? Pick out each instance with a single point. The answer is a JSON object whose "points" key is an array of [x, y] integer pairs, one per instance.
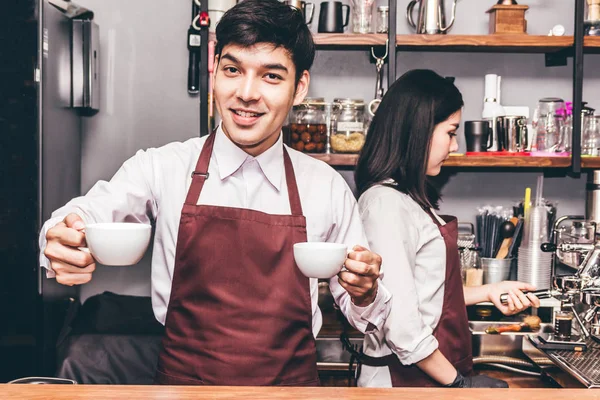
{"points": [[229, 57], [276, 66]]}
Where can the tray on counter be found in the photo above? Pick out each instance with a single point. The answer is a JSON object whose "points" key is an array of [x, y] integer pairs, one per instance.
{"points": [[583, 366]]}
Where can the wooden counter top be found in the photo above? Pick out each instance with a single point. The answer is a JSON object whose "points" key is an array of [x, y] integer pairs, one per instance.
{"points": [[100, 392]]}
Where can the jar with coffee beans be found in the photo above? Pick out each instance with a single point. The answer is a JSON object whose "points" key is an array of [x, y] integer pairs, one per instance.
{"points": [[307, 127]]}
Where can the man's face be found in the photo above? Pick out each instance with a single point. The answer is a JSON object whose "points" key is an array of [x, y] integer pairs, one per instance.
{"points": [[254, 89]]}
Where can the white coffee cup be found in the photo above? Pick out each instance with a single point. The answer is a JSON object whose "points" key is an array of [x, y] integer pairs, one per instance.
{"points": [[117, 243], [320, 259]]}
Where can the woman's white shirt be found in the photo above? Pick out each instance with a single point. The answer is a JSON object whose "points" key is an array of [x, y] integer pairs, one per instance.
{"points": [[414, 260]]}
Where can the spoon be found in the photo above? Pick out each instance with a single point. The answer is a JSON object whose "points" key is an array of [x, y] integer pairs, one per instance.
{"points": [[507, 229]]}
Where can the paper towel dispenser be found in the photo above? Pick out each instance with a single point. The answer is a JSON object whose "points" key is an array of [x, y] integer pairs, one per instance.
{"points": [[85, 49]]}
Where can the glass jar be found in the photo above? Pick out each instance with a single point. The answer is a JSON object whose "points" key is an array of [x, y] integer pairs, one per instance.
{"points": [[547, 120], [347, 125], [308, 126], [362, 13], [591, 136], [563, 323], [382, 19], [591, 24]]}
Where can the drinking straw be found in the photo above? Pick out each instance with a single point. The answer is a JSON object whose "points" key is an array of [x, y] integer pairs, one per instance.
{"points": [[539, 190], [526, 202]]}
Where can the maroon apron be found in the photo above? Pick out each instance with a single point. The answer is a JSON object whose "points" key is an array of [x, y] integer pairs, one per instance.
{"points": [[240, 310], [452, 331]]}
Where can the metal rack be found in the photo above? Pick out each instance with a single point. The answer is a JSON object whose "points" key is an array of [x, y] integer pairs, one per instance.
{"points": [[576, 50], [583, 366], [577, 87]]}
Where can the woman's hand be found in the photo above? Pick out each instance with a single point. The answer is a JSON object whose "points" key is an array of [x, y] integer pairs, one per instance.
{"points": [[517, 301]]}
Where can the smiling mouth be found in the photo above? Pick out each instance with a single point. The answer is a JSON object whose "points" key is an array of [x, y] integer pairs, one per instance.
{"points": [[247, 114]]}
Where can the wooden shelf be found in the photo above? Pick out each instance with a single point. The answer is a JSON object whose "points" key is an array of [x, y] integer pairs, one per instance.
{"points": [[495, 43], [591, 44], [338, 160], [341, 41], [590, 162], [345, 160], [507, 162], [349, 160], [349, 40]]}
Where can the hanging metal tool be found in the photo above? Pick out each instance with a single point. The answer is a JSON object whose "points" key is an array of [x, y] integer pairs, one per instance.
{"points": [[379, 62], [200, 21]]}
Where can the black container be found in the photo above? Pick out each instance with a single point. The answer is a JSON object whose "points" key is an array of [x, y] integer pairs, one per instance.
{"points": [[331, 17], [478, 136]]}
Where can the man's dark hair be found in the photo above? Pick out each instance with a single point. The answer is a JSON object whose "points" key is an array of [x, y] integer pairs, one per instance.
{"points": [[268, 21], [399, 137]]}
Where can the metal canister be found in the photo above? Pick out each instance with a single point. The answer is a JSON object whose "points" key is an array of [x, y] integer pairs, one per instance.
{"points": [[592, 198], [512, 133]]}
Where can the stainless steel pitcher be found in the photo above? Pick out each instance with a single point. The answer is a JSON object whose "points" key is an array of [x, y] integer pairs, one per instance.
{"points": [[432, 17]]}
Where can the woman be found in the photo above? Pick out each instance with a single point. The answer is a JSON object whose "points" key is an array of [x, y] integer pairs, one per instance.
{"points": [[426, 339]]}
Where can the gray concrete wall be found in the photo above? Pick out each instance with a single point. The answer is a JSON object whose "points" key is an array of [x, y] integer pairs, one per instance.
{"points": [[145, 103]]}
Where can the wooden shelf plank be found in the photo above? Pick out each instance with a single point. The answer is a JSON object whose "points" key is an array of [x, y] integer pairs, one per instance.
{"points": [[349, 40], [342, 160], [507, 162], [342, 41], [476, 161], [484, 43], [472, 43], [591, 44], [590, 162]]}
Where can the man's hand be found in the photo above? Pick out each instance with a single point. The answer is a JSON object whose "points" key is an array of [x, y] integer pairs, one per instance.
{"points": [[517, 300], [361, 274], [71, 265]]}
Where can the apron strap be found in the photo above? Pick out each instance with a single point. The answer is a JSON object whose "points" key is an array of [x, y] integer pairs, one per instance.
{"points": [[433, 217], [200, 175], [290, 178]]}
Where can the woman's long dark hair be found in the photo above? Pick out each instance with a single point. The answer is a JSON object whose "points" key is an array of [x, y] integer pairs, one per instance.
{"points": [[399, 137]]}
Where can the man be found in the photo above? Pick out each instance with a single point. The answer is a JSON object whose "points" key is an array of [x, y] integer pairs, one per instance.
{"points": [[236, 309]]}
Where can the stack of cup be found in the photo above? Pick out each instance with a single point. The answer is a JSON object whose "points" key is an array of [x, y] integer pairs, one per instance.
{"points": [[535, 266]]}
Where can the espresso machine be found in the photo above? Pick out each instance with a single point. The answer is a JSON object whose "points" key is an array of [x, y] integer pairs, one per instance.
{"points": [[575, 247]]}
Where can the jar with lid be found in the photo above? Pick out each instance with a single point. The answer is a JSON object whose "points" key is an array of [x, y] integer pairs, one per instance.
{"points": [[382, 19], [308, 126], [347, 125]]}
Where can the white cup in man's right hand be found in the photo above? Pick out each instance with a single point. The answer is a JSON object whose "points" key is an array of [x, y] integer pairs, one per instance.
{"points": [[320, 260], [117, 243]]}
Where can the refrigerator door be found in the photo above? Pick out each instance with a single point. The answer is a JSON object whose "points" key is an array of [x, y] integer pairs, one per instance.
{"points": [[59, 124]]}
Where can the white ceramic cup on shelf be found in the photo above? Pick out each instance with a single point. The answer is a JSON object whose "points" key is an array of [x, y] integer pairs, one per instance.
{"points": [[320, 260], [117, 243]]}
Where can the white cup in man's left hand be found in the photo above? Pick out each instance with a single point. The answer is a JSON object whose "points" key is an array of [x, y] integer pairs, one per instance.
{"points": [[320, 260], [117, 243]]}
